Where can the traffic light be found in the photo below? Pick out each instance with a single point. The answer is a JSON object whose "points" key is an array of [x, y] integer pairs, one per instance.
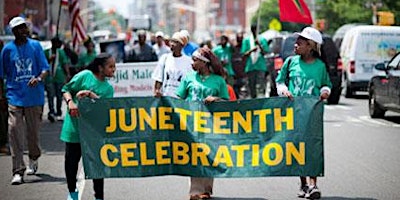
{"points": [[320, 24], [385, 18]]}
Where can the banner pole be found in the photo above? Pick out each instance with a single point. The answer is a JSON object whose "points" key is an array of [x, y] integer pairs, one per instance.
{"points": [[58, 18], [258, 18]]}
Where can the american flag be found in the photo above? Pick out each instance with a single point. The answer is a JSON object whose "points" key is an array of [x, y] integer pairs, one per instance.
{"points": [[77, 28], [64, 2]]}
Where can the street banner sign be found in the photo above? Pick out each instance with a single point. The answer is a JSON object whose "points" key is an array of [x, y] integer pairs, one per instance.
{"points": [[147, 136], [133, 79]]}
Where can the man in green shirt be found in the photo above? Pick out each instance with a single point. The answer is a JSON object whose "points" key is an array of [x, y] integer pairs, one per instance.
{"points": [[224, 53], [59, 69], [254, 48], [87, 57]]}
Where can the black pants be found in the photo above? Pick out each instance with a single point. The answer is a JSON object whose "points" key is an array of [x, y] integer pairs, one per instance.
{"points": [[255, 77], [73, 154]]}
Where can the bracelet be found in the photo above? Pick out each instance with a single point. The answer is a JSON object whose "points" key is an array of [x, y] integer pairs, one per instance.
{"points": [[68, 100]]}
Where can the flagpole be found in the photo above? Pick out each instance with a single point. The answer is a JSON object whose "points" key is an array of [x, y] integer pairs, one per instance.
{"points": [[258, 18], [58, 18]]}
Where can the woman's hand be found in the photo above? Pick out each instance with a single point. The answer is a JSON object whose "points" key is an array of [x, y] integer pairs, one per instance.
{"points": [[287, 94], [211, 99], [157, 93], [86, 93], [324, 96], [73, 109]]}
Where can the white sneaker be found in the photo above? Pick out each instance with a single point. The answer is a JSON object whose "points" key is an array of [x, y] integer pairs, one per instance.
{"points": [[33, 167], [17, 179], [59, 118], [313, 193]]}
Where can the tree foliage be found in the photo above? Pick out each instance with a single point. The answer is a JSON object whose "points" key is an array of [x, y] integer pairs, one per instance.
{"points": [[335, 13]]}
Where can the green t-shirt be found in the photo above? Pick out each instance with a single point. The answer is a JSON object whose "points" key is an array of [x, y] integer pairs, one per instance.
{"points": [[58, 76], [305, 79], [225, 54], [85, 59], [260, 62], [193, 87], [85, 80]]}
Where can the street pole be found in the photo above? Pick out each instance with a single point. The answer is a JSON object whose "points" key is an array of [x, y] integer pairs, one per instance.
{"points": [[2, 17]]}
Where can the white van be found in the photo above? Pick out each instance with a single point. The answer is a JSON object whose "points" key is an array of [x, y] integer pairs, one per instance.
{"points": [[361, 49]]}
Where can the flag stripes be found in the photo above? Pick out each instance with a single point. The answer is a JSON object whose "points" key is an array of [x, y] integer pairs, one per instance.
{"points": [[77, 27]]}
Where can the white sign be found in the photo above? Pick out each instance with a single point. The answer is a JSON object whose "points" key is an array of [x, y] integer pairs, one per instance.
{"points": [[133, 79]]}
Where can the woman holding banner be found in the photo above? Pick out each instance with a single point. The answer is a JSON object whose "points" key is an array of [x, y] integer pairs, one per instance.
{"points": [[305, 75], [171, 68], [206, 84], [90, 83]]}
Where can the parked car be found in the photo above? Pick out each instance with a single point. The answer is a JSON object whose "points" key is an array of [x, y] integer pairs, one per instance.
{"points": [[384, 88], [282, 47], [363, 47]]}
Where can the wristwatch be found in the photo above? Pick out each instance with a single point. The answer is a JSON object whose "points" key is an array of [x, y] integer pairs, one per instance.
{"points": [[39, 78]]}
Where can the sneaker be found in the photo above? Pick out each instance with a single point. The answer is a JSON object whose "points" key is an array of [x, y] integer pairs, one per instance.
{"points": [[313, 193], [73, 196], [59, 118], [32, 168], [51, 118], [302, 192], [17, 179]]}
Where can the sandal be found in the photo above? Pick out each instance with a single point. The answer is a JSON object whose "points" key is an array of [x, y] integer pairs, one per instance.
{"points": [[205, 196], [195, 197]]}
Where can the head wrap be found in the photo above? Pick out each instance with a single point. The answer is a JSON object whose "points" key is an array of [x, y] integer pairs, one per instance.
{"points": [[177, 36], [197, 54]]}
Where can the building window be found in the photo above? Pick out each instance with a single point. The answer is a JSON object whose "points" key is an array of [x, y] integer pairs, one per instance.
{"points": [[236, 20], [236, 5]]}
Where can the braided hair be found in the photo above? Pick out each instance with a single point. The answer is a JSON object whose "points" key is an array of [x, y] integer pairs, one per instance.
{"points": [[215, 65], [100, 60]]}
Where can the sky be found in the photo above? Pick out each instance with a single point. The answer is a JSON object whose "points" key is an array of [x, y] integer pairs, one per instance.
{"points": [[121, 6]]}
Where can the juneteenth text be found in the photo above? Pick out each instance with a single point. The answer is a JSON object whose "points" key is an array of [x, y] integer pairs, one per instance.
{"points": [[200, 122]]}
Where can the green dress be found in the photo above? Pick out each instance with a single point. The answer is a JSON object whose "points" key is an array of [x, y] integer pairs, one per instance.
{"points": [[57, 75], [225, 54], [85, 59], [260, 64], [305, 79], [84, 80], [196, 88]]}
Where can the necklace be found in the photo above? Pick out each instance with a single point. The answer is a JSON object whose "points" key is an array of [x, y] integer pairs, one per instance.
{"points": [[204, 77]]}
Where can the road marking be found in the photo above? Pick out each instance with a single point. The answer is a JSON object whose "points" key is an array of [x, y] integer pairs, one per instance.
{"points": [[368, 119], [333, 107], [353, 119], [80, 184]]}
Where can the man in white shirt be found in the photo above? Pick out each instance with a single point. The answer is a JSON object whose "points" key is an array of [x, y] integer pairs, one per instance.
{"points": [[171, 68], [159, 47]]}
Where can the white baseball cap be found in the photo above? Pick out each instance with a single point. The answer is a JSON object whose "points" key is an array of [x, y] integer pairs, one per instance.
{"points": [[159, 34], [185, 33], [16, 21], [311, 34]]}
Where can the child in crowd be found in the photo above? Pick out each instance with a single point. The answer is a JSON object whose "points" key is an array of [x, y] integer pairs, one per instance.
{"points": [[306, 75], [90, 83]]}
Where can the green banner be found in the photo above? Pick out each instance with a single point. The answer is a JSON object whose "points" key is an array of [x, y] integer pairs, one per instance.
{"points": [[146, 136]]}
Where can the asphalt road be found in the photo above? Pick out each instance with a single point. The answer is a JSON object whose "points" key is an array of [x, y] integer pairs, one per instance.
{"points": [[361, 162]]}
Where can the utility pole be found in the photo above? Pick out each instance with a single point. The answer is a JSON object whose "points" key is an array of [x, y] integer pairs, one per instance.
{"points": [[2, 17]]}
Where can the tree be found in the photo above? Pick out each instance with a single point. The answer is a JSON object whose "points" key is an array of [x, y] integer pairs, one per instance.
{"points": [[269, 10], [335, 13], [339, 12]]}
